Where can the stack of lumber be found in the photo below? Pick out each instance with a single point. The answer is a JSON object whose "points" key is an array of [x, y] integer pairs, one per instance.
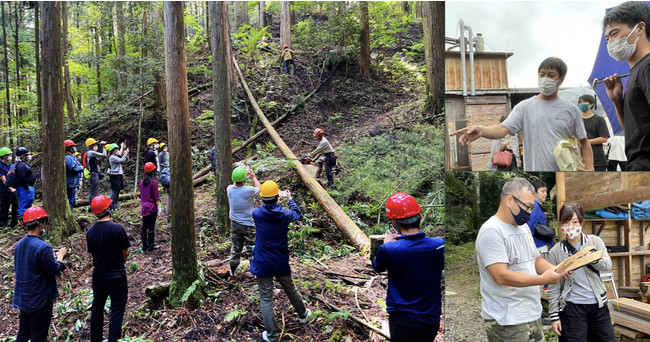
{"points": [[580, 259], [631, 314]]}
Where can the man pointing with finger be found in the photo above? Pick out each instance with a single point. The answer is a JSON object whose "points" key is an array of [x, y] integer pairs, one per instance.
{"points": [[512, 269]]}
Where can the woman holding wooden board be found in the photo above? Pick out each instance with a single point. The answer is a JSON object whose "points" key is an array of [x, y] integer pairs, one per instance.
{"points": [[578, 305]]}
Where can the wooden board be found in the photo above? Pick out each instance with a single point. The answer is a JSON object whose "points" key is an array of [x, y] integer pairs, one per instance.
{"points": [[628, 321], [632, 307], [582, 258], [631, 333]]}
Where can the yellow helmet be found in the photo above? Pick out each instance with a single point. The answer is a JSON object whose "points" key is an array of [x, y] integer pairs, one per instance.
{"points": [[151, 141], [90, 141], [162, 145], [269, 189]]}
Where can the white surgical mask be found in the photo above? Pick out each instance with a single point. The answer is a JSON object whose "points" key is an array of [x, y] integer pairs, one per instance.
{"points": [[620, 50], [572, 231], [156, 146], [547, 86], [165, 149], [29, 157], [10, 158], [95, 148]]}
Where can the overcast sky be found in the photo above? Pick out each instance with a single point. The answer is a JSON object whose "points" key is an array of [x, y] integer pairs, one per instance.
{"points": [[533, 31]]}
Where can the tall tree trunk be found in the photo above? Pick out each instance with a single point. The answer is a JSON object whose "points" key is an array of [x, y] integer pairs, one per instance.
{"points": [[207, 26], [292, 14], [285, 23], [52, 133], [221, 100], [98, 64], [405, 7], [364, 39], [262, 15], [66, 68], [17, 20], [6, 72], [78, 79], [184, 267], [37, 55], [433, 14], [241, 14], [119, 12], [159, 88]]}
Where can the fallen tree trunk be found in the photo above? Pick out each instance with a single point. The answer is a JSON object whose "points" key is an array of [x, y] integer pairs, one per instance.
{"points": [[351, 231], [82, 202]]}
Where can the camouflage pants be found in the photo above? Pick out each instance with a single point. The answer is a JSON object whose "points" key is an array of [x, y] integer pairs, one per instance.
{"points": [[525, 332], [240, 236]]}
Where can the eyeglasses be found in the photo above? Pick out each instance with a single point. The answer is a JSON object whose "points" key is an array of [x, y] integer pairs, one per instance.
{"points": [[526, 208]]}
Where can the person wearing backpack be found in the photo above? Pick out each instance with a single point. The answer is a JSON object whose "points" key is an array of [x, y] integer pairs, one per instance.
{"points": [[578, 305], [165, 182], [150, 199], [7, 194], [72, 169], [93, 158], [115, 172], [23, 182]]}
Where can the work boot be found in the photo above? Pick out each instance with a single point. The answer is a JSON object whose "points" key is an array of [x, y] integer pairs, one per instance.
{"points": [[305, 319], [318, 173]]}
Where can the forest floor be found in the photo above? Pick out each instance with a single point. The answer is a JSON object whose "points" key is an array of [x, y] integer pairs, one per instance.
{"points": [[231, 310]]}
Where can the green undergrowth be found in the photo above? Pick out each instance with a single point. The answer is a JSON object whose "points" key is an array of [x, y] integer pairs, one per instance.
{"points": [[409, 161]]}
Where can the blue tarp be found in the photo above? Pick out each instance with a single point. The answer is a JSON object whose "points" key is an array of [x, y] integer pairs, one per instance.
{"points": [[604, 66]]}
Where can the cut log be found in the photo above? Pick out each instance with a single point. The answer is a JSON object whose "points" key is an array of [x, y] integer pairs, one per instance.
{"points": [[350, 230], [631, 333], [629, 321], [156, 294], [580, 259], [82, 202]]}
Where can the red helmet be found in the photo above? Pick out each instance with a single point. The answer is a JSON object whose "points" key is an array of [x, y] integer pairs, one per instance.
{"points": [[33, 214], [100, 204], [318, 131], [285, 46], [148, 167], [69, 143], [400, 206]]}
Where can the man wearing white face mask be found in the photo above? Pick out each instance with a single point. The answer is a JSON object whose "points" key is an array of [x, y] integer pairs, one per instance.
{"points": [[543, 120], [627, 40], [578, 305]]}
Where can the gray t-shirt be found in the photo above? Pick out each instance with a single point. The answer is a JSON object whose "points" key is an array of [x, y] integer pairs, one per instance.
{"points": [[240, 199], [581, 292], [499, 242], [542, 124]]}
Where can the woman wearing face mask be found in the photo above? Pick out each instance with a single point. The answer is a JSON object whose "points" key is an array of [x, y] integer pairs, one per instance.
{"points": [[596, 128], [578, 305]]}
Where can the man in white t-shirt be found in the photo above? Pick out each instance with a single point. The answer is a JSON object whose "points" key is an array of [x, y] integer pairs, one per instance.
{"points": [[511, 269], [544, 120]]}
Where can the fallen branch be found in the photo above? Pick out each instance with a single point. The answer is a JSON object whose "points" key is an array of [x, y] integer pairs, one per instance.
{"points": [[356, 319]]}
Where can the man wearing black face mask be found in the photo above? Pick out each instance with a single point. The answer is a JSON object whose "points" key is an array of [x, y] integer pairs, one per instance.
{"points": [[512, 269], [627, 40]]}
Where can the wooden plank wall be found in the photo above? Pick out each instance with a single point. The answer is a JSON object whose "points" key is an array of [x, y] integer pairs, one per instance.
{"points": [[490, 72], [455, 119], [484, 110]]}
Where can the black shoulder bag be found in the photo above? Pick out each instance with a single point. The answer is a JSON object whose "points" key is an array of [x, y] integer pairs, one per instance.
{"points": [[544, 232]]}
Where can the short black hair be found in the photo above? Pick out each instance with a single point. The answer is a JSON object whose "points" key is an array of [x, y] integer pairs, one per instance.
{"points": [[414, 224], [630, 13], [70, 149], [587, 98], [270, 200], [241, 183], [31, 225], [554, 63], [539, 184]]}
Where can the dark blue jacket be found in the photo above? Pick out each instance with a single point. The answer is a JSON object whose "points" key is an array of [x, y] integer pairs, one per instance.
{"points": [[414, 263], [24, 175], [271, 251], [4, 168], [36, 269], [213, 160], [72, 169], [538, 216]]}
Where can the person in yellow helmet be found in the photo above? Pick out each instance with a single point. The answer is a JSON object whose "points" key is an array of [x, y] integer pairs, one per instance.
{"points": [[151, 153], [93, 157], [271, 255]]}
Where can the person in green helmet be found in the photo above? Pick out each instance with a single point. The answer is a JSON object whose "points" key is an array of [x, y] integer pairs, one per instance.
{"points": [[116, 171], [8, 195], [242, 227]]}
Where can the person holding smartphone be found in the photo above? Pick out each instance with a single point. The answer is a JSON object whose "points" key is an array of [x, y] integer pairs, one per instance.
{"points": [[242, 226]]}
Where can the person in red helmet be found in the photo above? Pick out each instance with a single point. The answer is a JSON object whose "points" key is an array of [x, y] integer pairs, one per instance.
{"points": [[324, 149], [414, 263], [72, 169], [287, 57], [109, 246], [36, 267], [150, 199]]}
